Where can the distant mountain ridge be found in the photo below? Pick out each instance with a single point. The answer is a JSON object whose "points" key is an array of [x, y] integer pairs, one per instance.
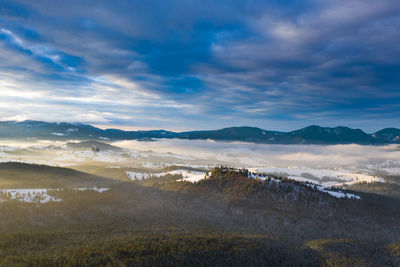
{"points": [[309, 135]]}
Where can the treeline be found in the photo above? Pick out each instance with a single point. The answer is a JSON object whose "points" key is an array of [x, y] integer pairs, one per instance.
{"points": [[384, 189]]}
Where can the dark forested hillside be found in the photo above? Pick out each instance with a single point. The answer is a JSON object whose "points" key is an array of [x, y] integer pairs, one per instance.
{"points": [[226, 219]]}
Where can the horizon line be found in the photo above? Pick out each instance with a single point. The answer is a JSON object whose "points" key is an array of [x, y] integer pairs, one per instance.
{"points": [[180, 131]]}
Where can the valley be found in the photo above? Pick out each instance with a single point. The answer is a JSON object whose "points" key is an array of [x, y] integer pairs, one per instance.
{"points": [[184, 201]]}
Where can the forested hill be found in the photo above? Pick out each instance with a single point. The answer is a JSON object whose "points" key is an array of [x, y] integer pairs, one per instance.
{"points": [[230, 218], [308, 135]]}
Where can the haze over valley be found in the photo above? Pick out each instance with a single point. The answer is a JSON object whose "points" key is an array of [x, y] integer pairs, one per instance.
{"points": [[166, 182], [325, 164]]}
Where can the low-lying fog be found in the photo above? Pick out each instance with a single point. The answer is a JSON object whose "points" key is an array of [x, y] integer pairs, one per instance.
{"points": [[326, 165], [259, 155]]}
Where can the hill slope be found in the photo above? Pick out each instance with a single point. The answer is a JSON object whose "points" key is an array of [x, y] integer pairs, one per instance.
{"points": [[228, 219], [22, 175]]}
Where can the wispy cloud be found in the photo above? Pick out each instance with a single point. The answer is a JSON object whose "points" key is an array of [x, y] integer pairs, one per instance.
{"points": [[174, 64]]}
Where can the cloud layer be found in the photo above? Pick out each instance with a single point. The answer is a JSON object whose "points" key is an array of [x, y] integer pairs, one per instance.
{"points": [[202, 64]]}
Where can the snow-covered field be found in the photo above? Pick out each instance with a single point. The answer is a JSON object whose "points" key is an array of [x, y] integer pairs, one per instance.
{"points": [[323, 176], [337, 194], [314, 184], [389, 166]]}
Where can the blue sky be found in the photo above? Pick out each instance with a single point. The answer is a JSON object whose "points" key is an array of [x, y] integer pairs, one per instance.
{"points": [[182, 65]]}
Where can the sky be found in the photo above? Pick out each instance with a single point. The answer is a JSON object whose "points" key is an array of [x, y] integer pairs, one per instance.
{"points": [[183, 65]]}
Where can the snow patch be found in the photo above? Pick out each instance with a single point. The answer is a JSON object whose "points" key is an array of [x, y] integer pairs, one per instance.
{"points": [[28, 195], [138, 175], [40, 195], [337, 194], [96, 189], [189, 176]]}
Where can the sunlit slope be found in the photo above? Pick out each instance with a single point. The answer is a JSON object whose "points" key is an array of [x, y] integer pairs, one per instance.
{"points": [[22, 175]]}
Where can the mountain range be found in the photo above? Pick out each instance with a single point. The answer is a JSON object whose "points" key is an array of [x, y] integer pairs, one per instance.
{"points": [[309, 135]]}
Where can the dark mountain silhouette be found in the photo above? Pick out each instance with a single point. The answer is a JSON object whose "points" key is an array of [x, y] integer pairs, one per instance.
{"points": [[338, 135], [388, 135], [309, 135]]}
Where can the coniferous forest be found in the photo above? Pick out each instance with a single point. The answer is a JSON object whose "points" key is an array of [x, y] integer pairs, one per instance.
{"points": [[225, 219]]}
